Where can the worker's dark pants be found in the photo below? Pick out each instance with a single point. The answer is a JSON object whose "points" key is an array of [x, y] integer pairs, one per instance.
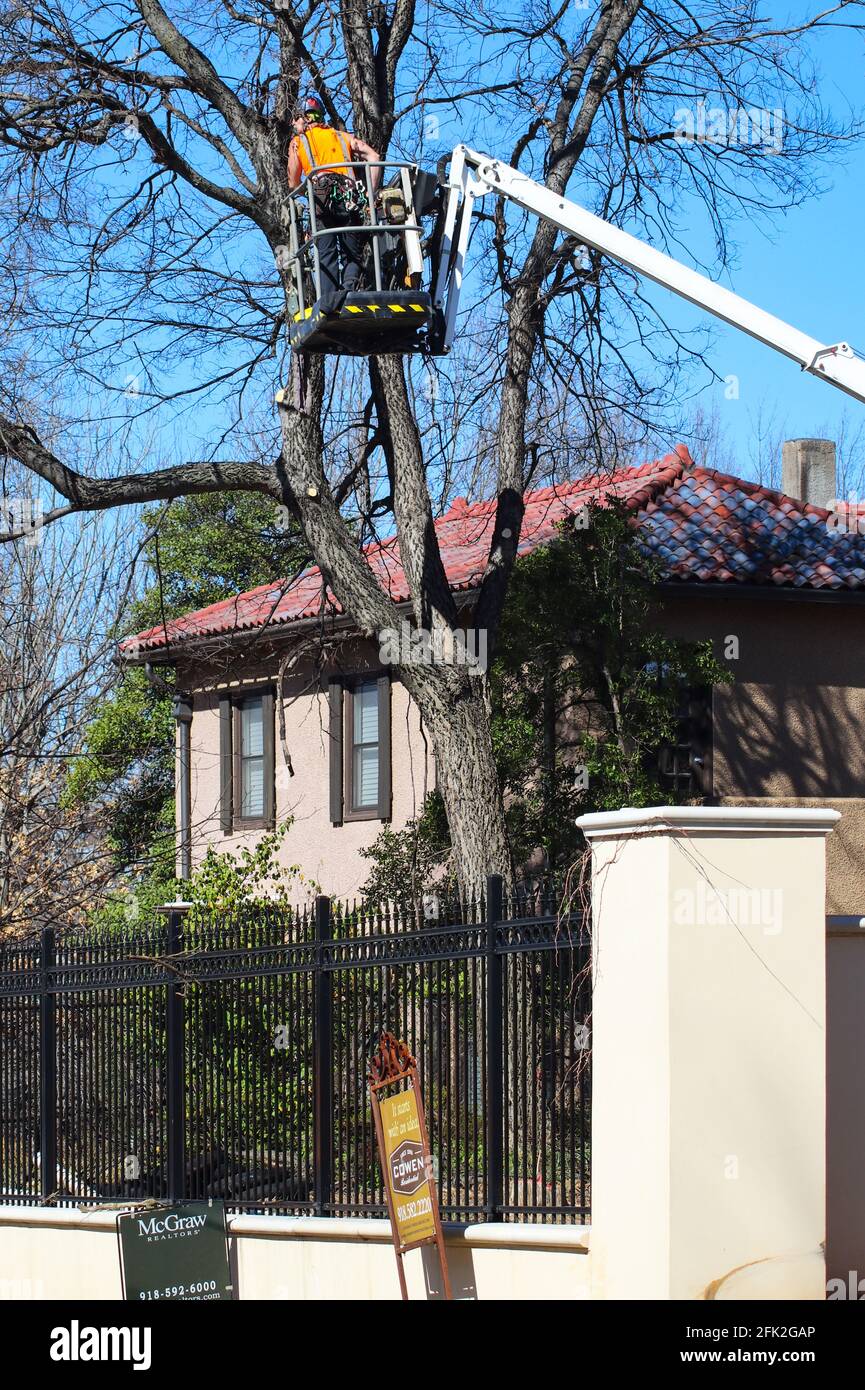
{"points": [[332, 245]]}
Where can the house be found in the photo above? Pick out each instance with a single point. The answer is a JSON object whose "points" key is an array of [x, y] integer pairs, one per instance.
{"points": [[289, 712]]}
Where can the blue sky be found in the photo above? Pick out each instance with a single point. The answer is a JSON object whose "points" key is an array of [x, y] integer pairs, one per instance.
{"points": [[810, 273], [803, 266], [807, 271]]}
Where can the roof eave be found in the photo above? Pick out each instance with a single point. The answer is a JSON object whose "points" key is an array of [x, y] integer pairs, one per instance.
{"points": [[279, 633]]}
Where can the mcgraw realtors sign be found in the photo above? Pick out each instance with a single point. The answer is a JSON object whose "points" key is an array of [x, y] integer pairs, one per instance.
{"points": [[176, 1253]]}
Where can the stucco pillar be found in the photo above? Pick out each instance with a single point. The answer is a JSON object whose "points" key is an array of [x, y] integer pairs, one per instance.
{"points": [[709, 1052]]}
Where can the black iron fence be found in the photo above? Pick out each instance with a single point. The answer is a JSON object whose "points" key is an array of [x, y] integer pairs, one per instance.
{"points": [[228, 1057]]}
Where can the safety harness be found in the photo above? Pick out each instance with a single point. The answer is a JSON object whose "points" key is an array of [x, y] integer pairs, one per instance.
{"points": [[338, 194]]}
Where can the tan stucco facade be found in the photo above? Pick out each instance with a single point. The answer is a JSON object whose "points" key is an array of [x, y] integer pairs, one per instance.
{"points": [[328, 854], [708, 1053], [787, 732]]}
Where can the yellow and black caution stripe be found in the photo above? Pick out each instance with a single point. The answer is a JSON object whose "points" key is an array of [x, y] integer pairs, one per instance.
{"points": [[364, 322], [386, 308]]}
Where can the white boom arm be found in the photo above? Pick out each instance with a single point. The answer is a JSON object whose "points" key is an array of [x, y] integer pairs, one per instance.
{"points": [[473, 175]]}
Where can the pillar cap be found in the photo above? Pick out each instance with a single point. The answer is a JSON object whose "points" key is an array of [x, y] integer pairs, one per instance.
{"points": [[709, 820]]}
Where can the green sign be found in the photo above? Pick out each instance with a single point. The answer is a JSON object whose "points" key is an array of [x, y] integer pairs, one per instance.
{"points": [[177, 1253]]}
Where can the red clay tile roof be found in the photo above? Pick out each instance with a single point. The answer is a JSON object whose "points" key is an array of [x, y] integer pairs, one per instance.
{"points": [[704, 527]]}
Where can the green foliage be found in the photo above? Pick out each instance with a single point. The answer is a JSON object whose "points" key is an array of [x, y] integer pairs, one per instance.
{"points": [[205, 549], [246, 1036], [405, 862], [135, 901], [585, 690], [128, 768], [201, 550], [223, 883], [586, 685]]}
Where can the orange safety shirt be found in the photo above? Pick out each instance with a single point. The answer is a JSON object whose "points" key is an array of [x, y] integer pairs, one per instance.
{"points": [[322, 145]]}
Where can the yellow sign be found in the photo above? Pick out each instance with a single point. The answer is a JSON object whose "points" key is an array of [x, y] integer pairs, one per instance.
{"points": [[407, 1168]]}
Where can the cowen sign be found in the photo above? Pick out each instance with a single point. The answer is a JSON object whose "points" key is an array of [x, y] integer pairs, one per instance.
{"points": [[175, 1254], [412, 1200]]}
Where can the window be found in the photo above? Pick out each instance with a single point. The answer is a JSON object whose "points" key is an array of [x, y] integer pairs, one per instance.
{"points": [[251, 757], [360, 771], [685, 766], [364, 746], [247, 761]]}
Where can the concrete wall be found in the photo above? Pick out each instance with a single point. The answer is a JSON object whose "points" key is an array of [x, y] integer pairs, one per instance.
{"points": [[69, 1254], [789, 729], [327, 854]]}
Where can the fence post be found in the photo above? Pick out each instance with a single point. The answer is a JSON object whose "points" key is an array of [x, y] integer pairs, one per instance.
{"points": [[708, 1052], [175, 1078], [322, 1063], [495, 1078], [47, 1071]]}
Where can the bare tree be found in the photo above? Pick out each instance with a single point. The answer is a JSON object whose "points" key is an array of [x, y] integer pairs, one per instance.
{"points": [[59, 593], [145, 163]]}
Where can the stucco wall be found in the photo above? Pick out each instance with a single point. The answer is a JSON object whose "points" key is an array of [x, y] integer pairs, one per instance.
{"points": [[67, 1254], [708, 1053], [328, 854], [790, 729]]}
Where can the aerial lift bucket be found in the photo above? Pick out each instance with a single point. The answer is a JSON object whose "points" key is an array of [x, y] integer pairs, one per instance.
{"points": [[363, 322], [394, 314]]}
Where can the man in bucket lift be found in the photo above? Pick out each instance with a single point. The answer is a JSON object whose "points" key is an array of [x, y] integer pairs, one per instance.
{"points": [[340, 198]]}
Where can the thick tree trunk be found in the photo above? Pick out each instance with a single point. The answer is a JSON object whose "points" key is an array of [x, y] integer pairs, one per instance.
{"points": [[454, 704], [455, 710]]}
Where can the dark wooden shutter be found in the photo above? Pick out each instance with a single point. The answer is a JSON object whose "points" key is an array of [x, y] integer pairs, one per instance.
{"points": [[384, 777], [267, 718], [334, 690], [225, 765]]}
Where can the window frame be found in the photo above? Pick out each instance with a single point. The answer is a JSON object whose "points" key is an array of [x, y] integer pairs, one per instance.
{"points": [[342, 692], [236, 821], [685, 767]]}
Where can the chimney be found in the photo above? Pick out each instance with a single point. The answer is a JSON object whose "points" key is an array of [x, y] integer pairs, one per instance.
{"points": [[808, 471]]}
